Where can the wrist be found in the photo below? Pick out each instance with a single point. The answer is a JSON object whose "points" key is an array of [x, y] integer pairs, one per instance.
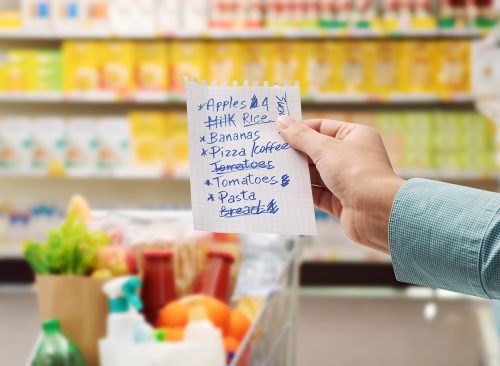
{"points": [[376, 210]]}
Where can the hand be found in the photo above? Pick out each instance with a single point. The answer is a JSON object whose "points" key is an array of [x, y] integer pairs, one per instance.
{"points": [[351, 175]]}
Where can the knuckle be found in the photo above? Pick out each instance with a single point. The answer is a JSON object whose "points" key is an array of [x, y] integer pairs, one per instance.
{"points": [[297, 131]]}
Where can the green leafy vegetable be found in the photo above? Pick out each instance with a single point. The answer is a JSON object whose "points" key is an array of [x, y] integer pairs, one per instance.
{"points": [[70, 249]]}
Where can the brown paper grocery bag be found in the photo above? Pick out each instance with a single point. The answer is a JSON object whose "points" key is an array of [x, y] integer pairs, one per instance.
{"points": [[80, 305]]}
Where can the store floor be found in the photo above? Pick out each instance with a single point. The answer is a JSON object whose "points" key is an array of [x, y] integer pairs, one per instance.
{"points": [[332, 331]]}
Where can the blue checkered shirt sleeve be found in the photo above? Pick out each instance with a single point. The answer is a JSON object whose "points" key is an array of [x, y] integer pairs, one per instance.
{"points": [[446, 236]]}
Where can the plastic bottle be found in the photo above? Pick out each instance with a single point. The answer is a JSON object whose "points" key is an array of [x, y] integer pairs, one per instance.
{"points": [[124, 323], [55, 349], [215, 279], [159, 283]]}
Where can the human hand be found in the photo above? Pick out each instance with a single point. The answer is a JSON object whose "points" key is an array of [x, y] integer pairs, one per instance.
{"points": [[351, 175]]}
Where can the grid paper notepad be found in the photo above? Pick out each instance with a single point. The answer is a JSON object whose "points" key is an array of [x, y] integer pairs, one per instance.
{"points": [[244, 176]]}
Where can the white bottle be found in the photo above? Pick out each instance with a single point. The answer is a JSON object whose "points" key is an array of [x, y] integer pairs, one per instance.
{"points": [[200, 330], [123, 320]]}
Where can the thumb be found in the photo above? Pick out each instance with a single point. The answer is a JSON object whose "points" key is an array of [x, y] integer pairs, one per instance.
{"points": [[302, 137]]}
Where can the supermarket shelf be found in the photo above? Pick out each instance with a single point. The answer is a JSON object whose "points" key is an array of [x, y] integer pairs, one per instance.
{"points": [[451, 175], [41, 34], [15, 270], [91, 97], [313, 274], [10, 251], [115, 174], [325, 274], [178, 99]]}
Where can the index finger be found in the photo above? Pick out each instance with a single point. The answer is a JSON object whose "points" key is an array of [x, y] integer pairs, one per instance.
{"points": [[328, 127]]}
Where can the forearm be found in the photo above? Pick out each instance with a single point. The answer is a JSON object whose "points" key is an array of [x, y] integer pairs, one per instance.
{"points": [[446, 236]]}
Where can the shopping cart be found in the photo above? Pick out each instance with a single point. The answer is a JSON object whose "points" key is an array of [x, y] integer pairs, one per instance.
{"points": [[271, 339]]}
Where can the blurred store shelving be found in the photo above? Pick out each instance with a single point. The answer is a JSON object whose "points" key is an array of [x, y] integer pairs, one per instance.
{"points": [[91, 98]]}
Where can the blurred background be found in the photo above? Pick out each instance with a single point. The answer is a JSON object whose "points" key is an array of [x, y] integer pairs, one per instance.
{"points": [[92, 102]]}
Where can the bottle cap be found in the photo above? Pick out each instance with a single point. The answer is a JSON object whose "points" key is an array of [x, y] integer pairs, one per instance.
{"points": [[130, 288], [52, 325], [119, 305], [221, 254], [160, 335]]}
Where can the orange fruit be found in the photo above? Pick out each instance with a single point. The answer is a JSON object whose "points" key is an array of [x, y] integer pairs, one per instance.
{"points": [[217, 312], [239, 324], [176, 314], [231, 345], [173, 315], [175, 334]]}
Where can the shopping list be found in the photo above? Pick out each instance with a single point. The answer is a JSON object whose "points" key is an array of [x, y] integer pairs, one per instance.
{"points": [[244, 176]]}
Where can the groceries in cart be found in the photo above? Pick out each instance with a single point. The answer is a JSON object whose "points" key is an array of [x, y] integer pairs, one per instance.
{"points": [[132, 288]]}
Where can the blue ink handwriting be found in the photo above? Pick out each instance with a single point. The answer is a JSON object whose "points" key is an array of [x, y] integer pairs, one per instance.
{"points": [[285, 180]]}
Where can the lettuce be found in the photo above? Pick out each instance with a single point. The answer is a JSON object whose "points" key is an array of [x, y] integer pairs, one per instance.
{"points": [[70, 249]]}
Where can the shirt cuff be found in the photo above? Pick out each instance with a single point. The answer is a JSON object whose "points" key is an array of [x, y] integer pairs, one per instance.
{"points": [[436, 233]]}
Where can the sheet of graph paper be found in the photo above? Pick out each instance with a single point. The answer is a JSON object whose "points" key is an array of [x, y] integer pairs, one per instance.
{"points": [[244, 176]]}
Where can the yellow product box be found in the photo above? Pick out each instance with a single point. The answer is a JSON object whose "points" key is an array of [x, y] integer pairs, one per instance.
{"points": [[287, 62], [321, 62], [10, 20], [177, 154], [353, 71], [21, 71], [385, 68], [188, 59], [117, 65], [152, 63], [3, 78], [419, 68], [453, 64], [148, 134], [255, 62], [80, 66], [224, 63]]}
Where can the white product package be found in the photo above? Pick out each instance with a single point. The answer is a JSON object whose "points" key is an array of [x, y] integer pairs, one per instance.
{"points": [[81, 149], [485, 69], [192, 353], [113, 135], [195, 15], [15, 143], [168, 16], [132, 17], [49, 142], [68, 14], [244, 176]]}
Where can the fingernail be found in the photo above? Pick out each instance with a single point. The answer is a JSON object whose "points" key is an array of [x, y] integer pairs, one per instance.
{"points": [[285, 121]]}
